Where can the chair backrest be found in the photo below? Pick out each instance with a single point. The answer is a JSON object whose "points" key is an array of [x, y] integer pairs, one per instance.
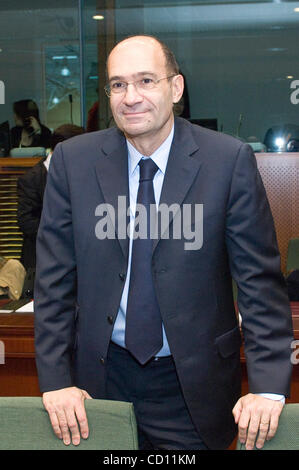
{"points": [[25, 425], [293, 254], [287, 436]]}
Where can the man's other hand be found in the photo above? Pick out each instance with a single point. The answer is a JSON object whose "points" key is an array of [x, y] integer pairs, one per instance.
{"points": [[66, 410], [257, 418]]}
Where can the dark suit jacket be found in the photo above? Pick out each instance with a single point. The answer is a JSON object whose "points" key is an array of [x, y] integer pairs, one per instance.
{"points": [[31, 187], [80, 282]]}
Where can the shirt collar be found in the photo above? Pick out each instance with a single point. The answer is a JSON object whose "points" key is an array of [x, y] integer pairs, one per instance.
{"points": [[160, 156]]}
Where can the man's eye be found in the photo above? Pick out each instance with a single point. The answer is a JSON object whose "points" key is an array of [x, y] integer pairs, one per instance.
{"points": [[147, 81], [117, 85]]}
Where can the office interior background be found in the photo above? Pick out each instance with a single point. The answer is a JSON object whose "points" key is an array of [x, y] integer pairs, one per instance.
{"points": [[239, 59]]}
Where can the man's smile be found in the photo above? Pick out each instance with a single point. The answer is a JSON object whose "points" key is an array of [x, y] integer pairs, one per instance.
{"points": [[132, 114]]}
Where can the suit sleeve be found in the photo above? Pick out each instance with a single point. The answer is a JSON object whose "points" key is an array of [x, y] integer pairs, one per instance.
{"points": [[55, 285], [255, 265]]}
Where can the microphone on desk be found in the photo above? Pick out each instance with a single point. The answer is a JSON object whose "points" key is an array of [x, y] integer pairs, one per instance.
{"points": [[71, 106], [239, 124]]}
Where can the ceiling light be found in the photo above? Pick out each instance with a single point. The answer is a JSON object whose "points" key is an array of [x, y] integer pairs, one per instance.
{"points": [[296, 9], [62, 57], [276, 49], [65, 72], [98, 17], [289, 76]]}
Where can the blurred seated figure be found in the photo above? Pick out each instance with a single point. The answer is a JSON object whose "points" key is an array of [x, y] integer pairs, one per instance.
{"points": [[29, 131], [31, 188], [282, 138]]}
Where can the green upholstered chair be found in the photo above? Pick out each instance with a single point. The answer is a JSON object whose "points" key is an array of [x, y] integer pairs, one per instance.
{"points": [[287, 434], [25, 425], [293, 254]]}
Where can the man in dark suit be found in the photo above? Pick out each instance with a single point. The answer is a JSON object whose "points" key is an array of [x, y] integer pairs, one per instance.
{"points": [[153, 321]]}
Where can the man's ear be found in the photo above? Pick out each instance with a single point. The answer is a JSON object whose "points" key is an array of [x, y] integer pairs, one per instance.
{"points": [[177, 88]]}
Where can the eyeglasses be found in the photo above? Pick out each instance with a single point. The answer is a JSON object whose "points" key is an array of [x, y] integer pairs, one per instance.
{"points": [[145, 84]]}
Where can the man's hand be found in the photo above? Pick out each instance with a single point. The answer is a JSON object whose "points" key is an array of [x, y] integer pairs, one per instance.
{"points": [[257, 417], [66, 409]]}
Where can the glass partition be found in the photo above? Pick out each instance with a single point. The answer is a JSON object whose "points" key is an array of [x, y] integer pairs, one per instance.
{"points": [[239, 60], [92, 48], [39, 59]]}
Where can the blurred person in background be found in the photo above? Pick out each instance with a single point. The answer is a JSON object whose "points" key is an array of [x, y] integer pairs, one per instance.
{"points": [[31, 188], [28, 131]]}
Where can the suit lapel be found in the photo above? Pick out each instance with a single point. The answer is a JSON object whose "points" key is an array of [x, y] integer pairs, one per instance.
{"points": [[182, 168], [112, 175]]}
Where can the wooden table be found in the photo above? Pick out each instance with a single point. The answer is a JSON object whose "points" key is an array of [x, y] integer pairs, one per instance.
{"points": [[17, 166], [18, 375]]}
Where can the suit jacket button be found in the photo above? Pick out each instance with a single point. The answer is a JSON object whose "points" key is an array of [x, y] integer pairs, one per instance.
{"points": [[110, 319], [102, 361], [122, 276]]}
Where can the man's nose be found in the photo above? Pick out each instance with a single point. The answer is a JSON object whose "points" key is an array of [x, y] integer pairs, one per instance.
{"points": [[132, 95]]}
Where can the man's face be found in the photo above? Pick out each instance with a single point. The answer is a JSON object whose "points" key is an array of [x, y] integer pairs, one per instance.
{"points": [[136, 112]]}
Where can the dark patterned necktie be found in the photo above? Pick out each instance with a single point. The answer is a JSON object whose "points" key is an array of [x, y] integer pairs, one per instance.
{"points": [[143, 336]]}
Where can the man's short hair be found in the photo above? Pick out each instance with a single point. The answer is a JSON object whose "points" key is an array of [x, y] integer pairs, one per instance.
{"points": [[170, 60]]}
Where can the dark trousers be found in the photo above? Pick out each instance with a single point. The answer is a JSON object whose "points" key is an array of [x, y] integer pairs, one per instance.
{"points": [[162, 416]]}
